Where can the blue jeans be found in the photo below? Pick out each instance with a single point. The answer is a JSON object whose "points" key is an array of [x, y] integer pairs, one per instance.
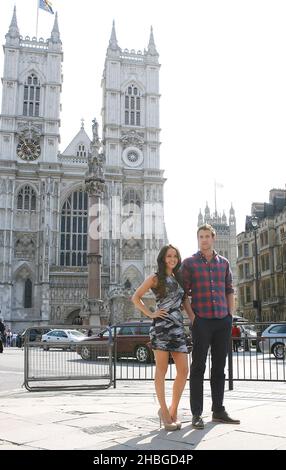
{"points": [[214, 333]]}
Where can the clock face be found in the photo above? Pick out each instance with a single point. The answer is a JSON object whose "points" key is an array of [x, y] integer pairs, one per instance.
{"points": [[28, 149]]}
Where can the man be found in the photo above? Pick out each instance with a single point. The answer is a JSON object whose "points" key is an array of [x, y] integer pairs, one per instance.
{"points": [[207, 278], [235, 333], [2, 335]]}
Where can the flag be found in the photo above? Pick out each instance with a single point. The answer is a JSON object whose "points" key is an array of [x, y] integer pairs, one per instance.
{"points": [[218, 185], [46, 5]]}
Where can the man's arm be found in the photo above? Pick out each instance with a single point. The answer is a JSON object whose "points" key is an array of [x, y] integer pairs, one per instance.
{"points": [[188, 309], [229, 291], [230, 303]]}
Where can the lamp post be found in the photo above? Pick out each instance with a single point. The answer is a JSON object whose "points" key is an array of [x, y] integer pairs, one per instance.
{"points": [[254, 221]]}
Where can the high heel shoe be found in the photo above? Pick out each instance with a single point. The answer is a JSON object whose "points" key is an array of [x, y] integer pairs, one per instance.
{"points": [[177, 422], [167, 426]]}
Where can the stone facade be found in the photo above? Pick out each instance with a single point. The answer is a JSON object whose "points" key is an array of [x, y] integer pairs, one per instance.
{"points": [[43, 212], [271, 252]]}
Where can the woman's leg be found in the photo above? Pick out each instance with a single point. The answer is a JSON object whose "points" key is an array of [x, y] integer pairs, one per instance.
{"points": [[162, 360], [181, 361]]}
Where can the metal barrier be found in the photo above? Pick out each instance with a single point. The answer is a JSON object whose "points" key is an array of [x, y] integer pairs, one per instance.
{"points": [[113, 356], [247, 363], [259, 358], [57, 364]]}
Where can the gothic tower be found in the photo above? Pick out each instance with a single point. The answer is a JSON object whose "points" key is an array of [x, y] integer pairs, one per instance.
{"points": [[30, 116], [29, 137], [225, 243], [131, 136]]}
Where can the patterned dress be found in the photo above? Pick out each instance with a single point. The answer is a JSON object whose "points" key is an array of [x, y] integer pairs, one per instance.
{"points": [[168, 334]]}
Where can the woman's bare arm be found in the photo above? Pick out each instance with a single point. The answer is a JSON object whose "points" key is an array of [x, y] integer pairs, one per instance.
{"points": [[149, 283]]}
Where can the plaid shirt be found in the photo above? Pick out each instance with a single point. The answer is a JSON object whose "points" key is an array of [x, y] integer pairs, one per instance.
{"points": [[208, 283]]}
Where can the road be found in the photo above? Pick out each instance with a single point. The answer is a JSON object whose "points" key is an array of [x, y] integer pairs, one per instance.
{"points": [[11, 368]]}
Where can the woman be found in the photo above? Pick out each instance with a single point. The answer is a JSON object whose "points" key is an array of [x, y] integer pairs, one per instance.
{"points": [[167, 333]]}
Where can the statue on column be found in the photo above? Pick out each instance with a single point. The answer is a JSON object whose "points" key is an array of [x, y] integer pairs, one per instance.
{"points": [[96, 160], [95, 131], [92, 306]]}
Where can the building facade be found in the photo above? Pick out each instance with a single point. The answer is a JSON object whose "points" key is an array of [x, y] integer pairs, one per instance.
{"points": [[271, 257], [225, 242], [43, 204]]}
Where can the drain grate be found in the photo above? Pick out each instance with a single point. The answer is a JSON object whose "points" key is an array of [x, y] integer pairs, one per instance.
{"points": [[102, 429]]}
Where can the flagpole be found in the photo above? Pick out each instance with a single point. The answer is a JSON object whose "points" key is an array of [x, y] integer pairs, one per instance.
{"points": [[37, 19], [215, 194]]}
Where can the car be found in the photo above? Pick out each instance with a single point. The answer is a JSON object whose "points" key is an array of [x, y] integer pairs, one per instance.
{"points": [[273, 340], [132, 340], [35, 334], [62, 339], [238, 319], [248, 336]]}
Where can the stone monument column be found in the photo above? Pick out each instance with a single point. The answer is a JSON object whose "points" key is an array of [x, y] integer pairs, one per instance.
{"points": [[94, 185]]}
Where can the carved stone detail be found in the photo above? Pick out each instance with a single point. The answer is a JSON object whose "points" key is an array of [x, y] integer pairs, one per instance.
{"points": [[94, 187], [132, 139], [132, 249], [25, 246]]}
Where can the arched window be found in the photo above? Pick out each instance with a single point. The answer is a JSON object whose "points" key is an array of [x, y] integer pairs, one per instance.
{"points": [[132, 215], [32, 90], [26, 199], [132, 106], [81, 152], [73, 249], [28, 294], [132, 197]]}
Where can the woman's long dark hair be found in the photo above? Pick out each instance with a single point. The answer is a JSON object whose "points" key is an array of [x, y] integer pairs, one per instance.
{"points": [[161, 273]]}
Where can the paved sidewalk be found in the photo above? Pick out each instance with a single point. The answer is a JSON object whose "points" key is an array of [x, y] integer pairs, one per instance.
{"points": [[126, 418]]}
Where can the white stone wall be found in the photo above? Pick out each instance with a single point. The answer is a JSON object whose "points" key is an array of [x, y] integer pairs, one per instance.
{"points": [[30, 241], [20, 61]]}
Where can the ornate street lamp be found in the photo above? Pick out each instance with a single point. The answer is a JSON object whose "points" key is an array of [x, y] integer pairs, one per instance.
{"points": [[254, 225]]}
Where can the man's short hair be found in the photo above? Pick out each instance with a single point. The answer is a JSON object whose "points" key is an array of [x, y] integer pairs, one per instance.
{"points": [[207, 227]]}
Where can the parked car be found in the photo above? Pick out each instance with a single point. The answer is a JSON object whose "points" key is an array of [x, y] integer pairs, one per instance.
{"points": [[61, 339], [35, 334], [132, 341], [238, 319], [248, 336], [273, 340]]}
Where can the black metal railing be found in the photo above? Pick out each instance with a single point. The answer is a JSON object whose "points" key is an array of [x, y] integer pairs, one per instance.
{"points": [[246, 359], [54, 362], [123, 352]]}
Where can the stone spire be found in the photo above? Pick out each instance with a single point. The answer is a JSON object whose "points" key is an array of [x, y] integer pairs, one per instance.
{"points": [[55, 35], [200, 219], [231, 211], [232, 218], [113, 44], [13, 32], [207, 213], [151, 46]]}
